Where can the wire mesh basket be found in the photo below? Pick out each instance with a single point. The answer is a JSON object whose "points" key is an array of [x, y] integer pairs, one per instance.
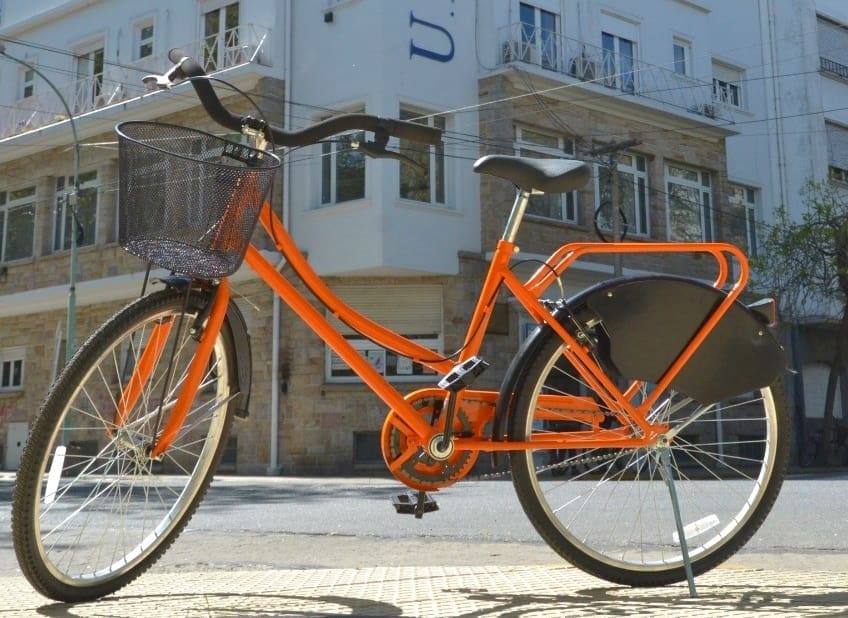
{"points": [[188, 201]]}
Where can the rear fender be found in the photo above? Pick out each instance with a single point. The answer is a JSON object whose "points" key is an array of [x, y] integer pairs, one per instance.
{"points": [[643, 324]]}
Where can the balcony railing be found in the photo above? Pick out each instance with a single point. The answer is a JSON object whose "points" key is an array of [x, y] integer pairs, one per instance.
{"points": [[834, 68], [243, 44], [589, 63]]}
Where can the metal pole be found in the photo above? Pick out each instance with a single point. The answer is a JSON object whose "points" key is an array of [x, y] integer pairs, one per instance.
{"points": [[71, 201]]}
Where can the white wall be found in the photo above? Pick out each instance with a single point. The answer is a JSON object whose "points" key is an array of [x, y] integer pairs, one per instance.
{"points": [[380, 55]]}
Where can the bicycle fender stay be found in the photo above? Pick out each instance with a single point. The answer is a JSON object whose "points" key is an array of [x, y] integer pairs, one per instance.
{"points": [[642, 325]]}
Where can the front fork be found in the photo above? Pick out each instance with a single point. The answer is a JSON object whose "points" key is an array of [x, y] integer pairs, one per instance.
{"points": [[198, 368]]}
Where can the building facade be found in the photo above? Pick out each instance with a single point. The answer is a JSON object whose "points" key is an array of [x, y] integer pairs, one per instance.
{"points": [[684, 109]]}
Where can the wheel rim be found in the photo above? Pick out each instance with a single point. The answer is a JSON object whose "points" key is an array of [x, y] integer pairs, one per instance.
{"points": [[615, 506], [103, 506]]}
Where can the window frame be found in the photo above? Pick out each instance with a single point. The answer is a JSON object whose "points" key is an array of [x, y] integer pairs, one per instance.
{"points": [[746, 197], [328, 172], [26, 83], [140, 41], [61, 212], [393, 297], [685, 46], [615, 75], [436, 159], [704, 186], [7, 205], [569, 202], [543, 48], [642, 214], [9, 357], [727, 84]]}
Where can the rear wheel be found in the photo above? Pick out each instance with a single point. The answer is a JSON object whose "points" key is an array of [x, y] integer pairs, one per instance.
{"points": [[609, 512], [92, 510]]}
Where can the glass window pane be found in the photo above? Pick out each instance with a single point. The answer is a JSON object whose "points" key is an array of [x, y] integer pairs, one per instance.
{"points": [[21, 226], [326, 172], [679, 59], [527, 15], [17, 373], [684, 213], [86, 217], [414, 179], [6, 380], [350, 171]]}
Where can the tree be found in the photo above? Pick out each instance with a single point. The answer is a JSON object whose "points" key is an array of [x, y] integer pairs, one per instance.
{"points": [[805, 265]]}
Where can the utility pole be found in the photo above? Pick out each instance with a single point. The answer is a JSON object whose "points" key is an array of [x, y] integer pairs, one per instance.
{"points": [[614, 149]]}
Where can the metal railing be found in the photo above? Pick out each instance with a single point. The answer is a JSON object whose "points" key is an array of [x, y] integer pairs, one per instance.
{"points": [[622, 73], [243, 44]]}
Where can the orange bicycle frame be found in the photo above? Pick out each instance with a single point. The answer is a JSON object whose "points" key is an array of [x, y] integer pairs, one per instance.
{"points": [[528, 294]]}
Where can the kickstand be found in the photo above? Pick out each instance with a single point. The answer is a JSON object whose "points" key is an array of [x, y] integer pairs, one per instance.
{"points": [[675, 505]]}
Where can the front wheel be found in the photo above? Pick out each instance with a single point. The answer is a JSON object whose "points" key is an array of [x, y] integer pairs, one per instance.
{"points": [[92, 510], [609, 512]]}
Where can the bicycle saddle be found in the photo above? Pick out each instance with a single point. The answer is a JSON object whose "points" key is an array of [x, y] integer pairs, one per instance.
{"points": [[545, 175]]}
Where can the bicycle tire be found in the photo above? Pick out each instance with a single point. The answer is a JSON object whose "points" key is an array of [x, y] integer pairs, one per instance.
{"points": [[91, 516], [609, 512]]}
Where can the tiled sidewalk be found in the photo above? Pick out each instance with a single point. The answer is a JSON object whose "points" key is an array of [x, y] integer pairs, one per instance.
{"points": [[445, 591]]}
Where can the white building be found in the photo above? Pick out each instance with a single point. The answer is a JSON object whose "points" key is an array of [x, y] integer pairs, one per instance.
{"points": [[706, 103]]}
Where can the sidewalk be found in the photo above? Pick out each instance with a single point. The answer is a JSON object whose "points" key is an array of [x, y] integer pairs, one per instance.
{"points": [[542, 590]]}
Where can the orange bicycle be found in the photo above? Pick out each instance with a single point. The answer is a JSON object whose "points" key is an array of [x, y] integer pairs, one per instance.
{"points": [[644, 420]]}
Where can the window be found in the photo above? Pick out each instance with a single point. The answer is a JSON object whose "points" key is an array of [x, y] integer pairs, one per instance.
{"points": [[86, 212], [414, 311], [144, 39], [689, 201], [27, 83], [632, 194], [534, 143], [342, 170], [538, 36], [833, 47], [89, 77], [727, 86], [423, 180], [743, 206], [682, 51], [618, 59], [837, 151], [17, 224], [11, 369], [221, 38]]}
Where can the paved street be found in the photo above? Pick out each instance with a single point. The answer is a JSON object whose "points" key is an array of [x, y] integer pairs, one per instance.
{"points": [[328, 547]]}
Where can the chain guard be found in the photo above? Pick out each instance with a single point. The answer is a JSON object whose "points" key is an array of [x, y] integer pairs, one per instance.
{"points": [[411, 464]]}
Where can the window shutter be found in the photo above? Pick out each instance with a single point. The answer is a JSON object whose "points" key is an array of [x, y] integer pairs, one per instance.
{"points": [[406, 309], [837, 146]]}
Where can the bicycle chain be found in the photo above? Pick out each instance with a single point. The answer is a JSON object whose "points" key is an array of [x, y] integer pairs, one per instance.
{"points": [[589, 459]]}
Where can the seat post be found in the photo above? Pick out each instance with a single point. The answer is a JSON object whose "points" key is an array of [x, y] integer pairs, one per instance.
{"points": [[517, 214]]}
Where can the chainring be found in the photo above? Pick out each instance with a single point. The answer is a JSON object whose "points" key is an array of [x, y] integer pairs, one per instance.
{"points": [[410, 463]]}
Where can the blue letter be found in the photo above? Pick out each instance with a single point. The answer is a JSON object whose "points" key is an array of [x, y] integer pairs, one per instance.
{"points": [[420, 51]]}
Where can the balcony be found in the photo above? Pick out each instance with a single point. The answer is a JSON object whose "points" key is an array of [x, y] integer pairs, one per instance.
{"points": [[240, 45], [622, 74]]}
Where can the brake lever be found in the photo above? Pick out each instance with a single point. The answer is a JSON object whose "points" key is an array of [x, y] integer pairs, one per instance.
{"points": [[377, 150], [167, 79]]}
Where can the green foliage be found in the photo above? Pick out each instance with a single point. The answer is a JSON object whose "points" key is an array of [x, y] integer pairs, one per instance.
{"points": [[804, 262]]}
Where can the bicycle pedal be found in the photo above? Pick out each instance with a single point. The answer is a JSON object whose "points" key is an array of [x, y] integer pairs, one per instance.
{"points": [[414, 503]]}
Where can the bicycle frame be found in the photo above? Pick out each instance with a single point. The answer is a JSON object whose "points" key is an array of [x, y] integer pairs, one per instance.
{"points": [[527, 293]]}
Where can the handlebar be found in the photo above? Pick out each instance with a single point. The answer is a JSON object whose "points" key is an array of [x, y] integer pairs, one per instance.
{"points": [[186, 67]]}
